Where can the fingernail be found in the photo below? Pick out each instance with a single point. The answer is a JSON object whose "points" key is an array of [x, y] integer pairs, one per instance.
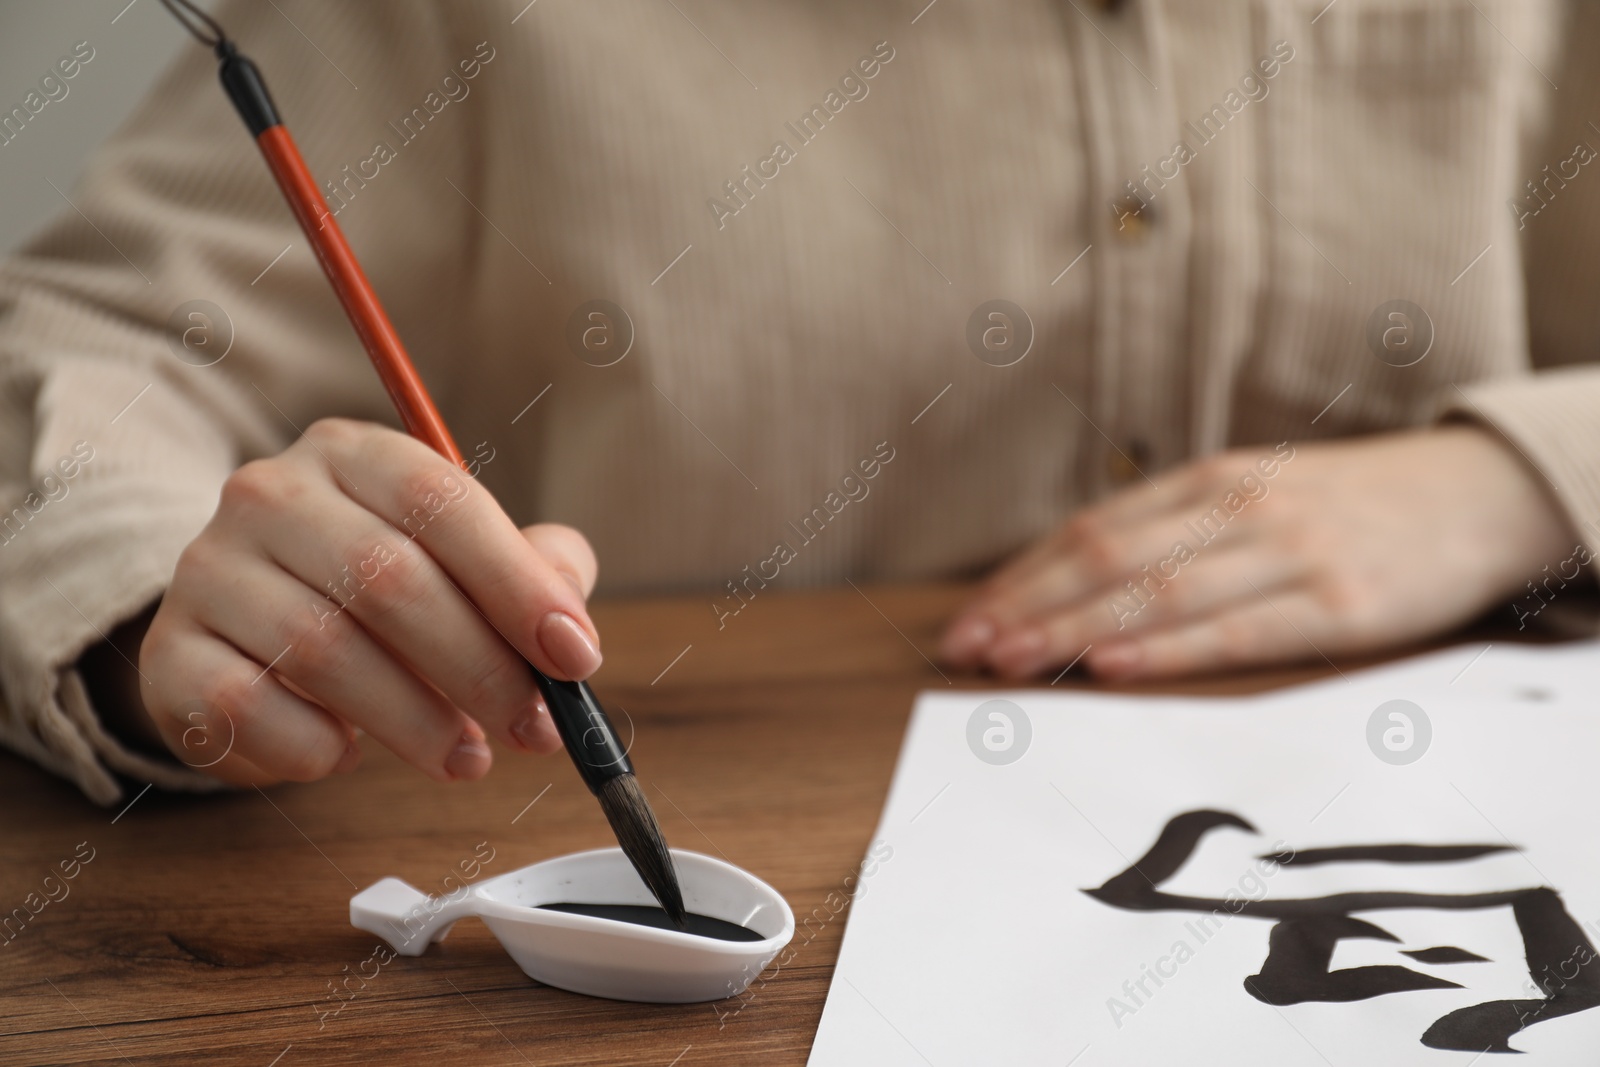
{"points": [[1117, 659], [525, 727], [469, 760], [348, 761], [568, 645], [534, 730], [1019, 651], [522, 730], [967, 637]]}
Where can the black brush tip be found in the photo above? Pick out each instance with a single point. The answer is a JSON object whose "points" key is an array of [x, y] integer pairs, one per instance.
{"points": [[634, 823]]}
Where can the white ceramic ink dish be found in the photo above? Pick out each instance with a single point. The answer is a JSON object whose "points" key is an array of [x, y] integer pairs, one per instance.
{"points": [[596, 956]]}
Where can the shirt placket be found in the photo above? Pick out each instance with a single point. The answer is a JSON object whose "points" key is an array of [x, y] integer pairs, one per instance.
{"points": [[1139, 224]]}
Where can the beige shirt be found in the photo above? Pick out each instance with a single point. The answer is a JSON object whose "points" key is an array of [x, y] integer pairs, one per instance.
{"points": [[1199, 213]]}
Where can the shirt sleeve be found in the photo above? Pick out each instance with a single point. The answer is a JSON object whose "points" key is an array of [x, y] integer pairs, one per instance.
{"points": [[1551, 416], [170, 323]]}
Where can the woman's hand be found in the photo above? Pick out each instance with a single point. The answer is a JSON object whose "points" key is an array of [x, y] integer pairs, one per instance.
{"points": [[1267, 555], [359, 581]]}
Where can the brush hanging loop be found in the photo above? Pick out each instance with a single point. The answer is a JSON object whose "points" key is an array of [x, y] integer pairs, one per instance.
{"points": [[197, 22]]}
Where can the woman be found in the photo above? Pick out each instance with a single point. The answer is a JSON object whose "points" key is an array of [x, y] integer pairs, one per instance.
{"points": [[1070, 293]]}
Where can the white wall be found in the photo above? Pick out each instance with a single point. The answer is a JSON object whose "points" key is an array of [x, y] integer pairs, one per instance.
{"points": [[132, 44]]}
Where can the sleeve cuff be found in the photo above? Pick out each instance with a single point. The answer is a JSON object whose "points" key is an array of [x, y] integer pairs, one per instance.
{"points": [[69, 574], [1553, 420]]}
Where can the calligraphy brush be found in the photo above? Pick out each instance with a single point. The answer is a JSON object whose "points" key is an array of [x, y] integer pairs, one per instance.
{"points": [[585, 730]]}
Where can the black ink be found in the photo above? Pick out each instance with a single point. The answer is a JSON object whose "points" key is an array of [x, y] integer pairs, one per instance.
{"points": [[1561, 960], [643, 915], [1386, 854], [1170, 852], [1444, 954], [1296, 968]]}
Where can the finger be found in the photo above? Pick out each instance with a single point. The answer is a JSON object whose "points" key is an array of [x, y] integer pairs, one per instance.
{"points": [[400, 595], [1120, 510], [1179, 491], [1173, 592], [225, 715], [1276, 630], [568, 552], [1100, 560], [1177, 488], [1091, 556], [326, 654], [462, 527]]}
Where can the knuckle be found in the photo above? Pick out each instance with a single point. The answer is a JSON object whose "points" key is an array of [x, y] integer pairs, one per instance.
{"points": [[235, 692], [1077, 528], [419, 480], [1235, 638], [1274, 505], [335, 433], [1177, 600], [316, 760], [381, 579], [500, 684], [156, 649], [320, 643], [427, 492], [259, 483], [1345, 597], [1301, 541], [197, 560], [1216, 467], [1162, 655], [1101, 551]]}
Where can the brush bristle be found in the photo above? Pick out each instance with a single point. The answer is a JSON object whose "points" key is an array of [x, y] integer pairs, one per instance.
{"points": [[634, 823]]}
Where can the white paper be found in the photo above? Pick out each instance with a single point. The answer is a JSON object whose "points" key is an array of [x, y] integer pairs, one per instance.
{"points": [[973, 943]]}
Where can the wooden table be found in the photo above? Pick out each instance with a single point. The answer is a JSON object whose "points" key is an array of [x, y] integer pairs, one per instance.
{"points": [[214, 930]]}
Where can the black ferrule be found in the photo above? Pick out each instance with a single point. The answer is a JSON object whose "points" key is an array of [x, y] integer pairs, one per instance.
{"points": [[585, 729], [246, 89]]}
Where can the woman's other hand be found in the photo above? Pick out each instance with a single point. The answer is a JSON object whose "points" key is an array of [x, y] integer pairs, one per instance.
{"points": [[1268, 555]]}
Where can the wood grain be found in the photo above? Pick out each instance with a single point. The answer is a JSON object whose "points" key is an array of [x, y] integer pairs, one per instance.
{"points": [[212, 930]]}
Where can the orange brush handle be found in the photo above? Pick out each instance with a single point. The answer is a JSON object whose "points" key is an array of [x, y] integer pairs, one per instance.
{"points": [[372, 325]]}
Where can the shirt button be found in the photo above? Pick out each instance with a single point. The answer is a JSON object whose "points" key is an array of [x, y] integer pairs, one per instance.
{"points": [[1126, 464], [1132, 218]]}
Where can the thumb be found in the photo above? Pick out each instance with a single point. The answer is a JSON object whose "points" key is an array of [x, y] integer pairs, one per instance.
{"points": [[568, 552]]}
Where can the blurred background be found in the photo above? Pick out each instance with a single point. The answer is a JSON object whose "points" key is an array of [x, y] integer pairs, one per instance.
{"points": [[132, 43]]}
